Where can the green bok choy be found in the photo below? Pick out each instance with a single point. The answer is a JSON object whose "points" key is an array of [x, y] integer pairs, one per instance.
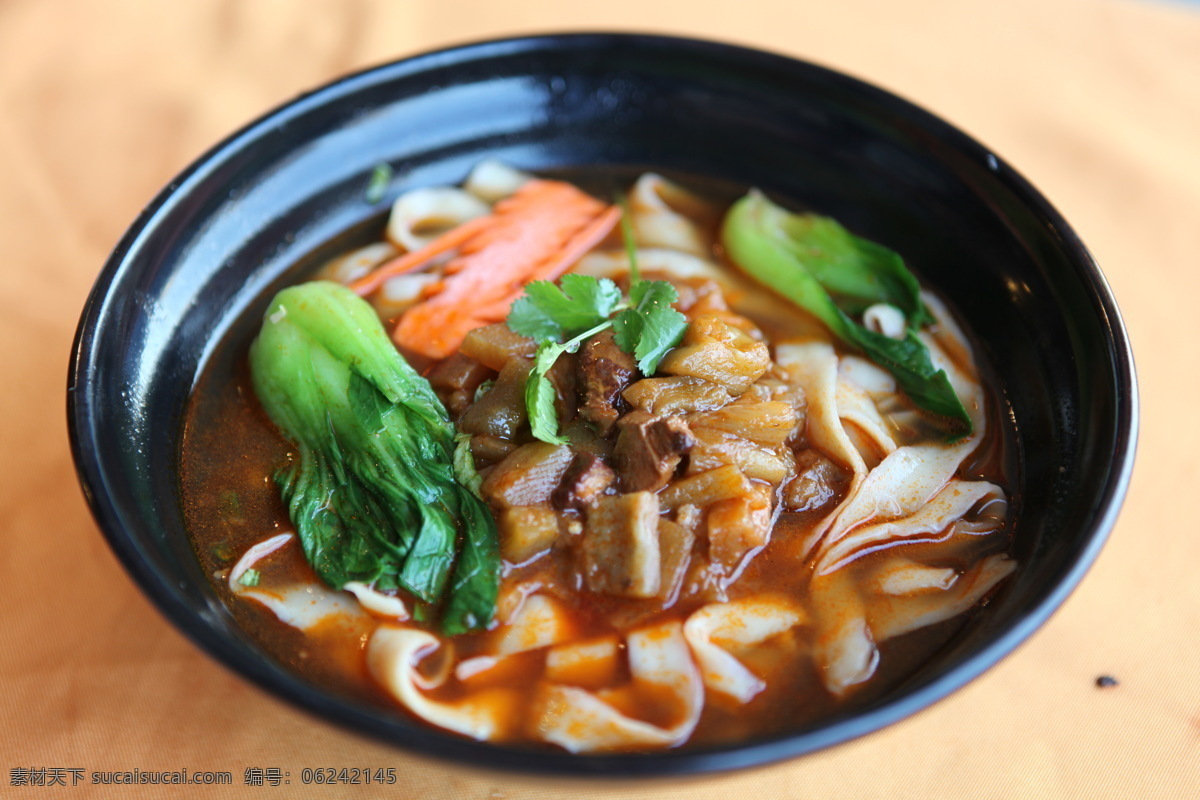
{"points": [[372, 488], [823, 268]]}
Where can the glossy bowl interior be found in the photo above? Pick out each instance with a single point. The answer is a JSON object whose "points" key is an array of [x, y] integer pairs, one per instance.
{"points": [[240, 222]]}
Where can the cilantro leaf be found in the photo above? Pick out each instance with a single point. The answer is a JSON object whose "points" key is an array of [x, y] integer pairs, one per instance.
{"points": [[648, 294], [651, 328], [539, 391], [627, 329], [547, 313], [539, 395], [539, 400], [662, 328], [580, 307]]}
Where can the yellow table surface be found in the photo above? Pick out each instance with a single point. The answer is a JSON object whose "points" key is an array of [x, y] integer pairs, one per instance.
{"points": [[1097, 102]]}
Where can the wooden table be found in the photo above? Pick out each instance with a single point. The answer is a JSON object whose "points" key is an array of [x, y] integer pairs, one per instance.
{"points": [[1097, 102]]}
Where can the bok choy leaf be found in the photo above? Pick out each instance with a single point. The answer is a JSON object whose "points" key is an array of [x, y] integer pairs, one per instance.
{"points": [[823, 268], [371, 489]]}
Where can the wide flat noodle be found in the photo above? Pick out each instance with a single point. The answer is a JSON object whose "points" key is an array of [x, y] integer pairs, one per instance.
{"points": [[614, 265], [911, 476], [951, 339], [349, 267], [872, 378], [843, 644], [493, 180], [855, 407], [377, 603], [301, 605], [717, 628], [539, 622], [419, 216], [655, 205], [893, 616], [660, 660], [393, 654], [900, 576], [946, 507], [813, 365]]}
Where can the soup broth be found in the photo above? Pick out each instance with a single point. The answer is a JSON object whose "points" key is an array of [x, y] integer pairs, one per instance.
{"points": [[820, 582]]}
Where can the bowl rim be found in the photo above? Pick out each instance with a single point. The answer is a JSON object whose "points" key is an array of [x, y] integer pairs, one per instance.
{"points": [[94, 480]]}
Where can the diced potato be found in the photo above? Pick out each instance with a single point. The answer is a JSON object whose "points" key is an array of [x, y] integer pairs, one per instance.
{"points": [[770, 423], [591, 664], [526, 532], [675, 555], [739, 525], [493, 345], [541, 621], [528, 476], [707, 487], [716, 351], [714, 449], [620, 545], [665, 397]]}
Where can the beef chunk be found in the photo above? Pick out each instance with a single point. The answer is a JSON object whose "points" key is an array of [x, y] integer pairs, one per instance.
{"points": [[604, 372], [649, 449], [818, 481], [584, 481]]}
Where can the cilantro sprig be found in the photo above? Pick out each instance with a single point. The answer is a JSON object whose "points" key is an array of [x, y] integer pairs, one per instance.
{"points": [[561, 318]]}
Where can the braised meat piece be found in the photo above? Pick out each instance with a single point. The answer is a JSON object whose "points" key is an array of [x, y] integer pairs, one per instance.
{"points": [[584, 481], [649, 449], [604, 372], [818, 481]]}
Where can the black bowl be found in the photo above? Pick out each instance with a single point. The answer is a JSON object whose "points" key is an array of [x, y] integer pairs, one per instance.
{"points": [[240, 222]]}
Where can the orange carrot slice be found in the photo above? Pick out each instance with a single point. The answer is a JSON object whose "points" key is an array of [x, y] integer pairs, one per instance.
{"points": [[536, 234], [418, 258]]}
